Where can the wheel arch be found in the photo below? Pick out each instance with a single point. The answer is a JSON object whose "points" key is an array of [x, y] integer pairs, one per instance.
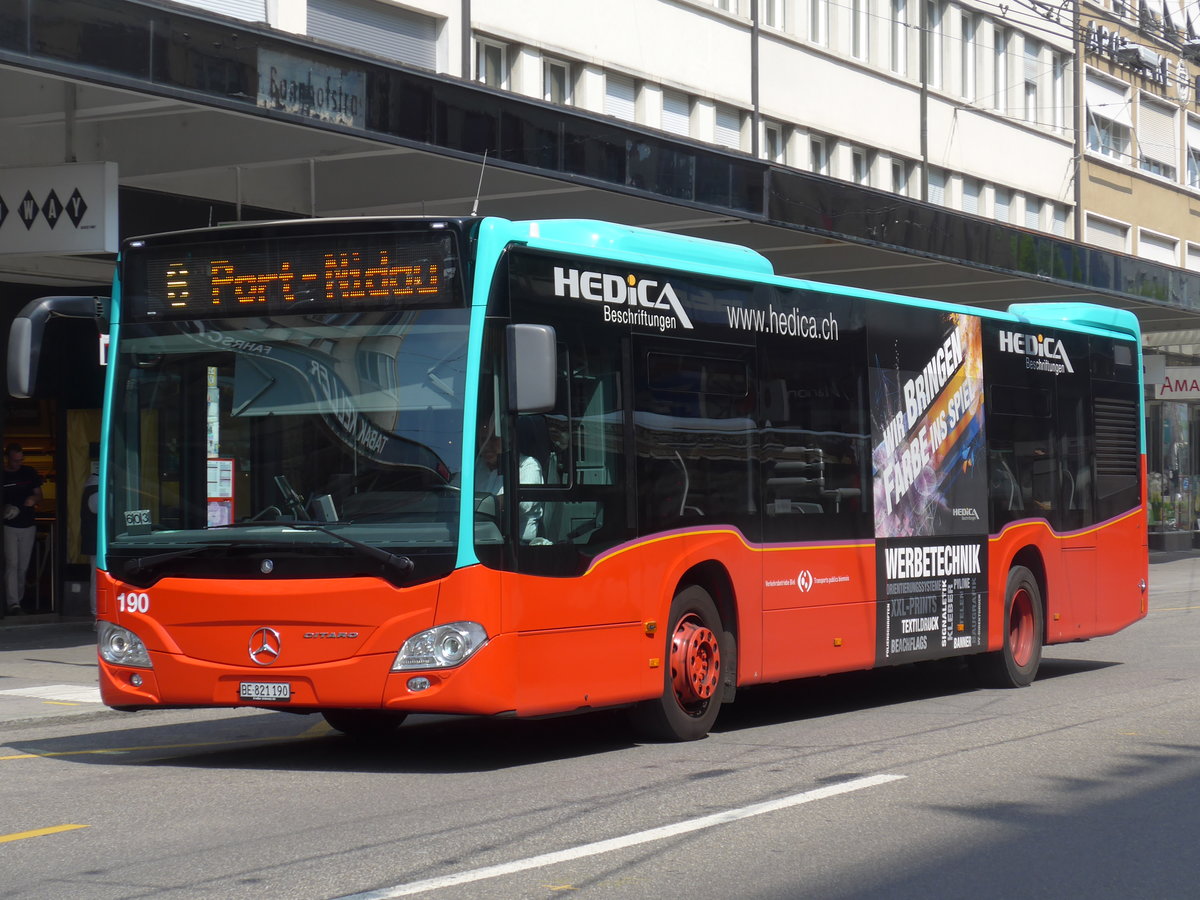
{"points": [[1031, 558]]}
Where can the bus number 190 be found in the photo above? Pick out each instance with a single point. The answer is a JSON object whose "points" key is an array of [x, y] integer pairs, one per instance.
{"points": [[133, 602]]}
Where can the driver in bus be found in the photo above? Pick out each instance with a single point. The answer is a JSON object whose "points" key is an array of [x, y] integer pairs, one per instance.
{"points": [[489, 478]]}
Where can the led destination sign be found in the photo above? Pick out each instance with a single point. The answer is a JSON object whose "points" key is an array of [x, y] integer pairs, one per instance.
{"points": [[305, 274]]}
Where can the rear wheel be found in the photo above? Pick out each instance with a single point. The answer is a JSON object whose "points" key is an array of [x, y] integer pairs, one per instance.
{"points": [[1016, 663], [364, 723], [692, 676]]}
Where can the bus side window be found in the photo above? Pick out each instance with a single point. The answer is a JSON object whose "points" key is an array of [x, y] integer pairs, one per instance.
{"points": [[1023, 463], [814, 438]]}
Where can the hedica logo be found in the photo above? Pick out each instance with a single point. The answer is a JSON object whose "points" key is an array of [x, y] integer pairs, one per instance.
{"points": [[636, 295], [1045, 354]]}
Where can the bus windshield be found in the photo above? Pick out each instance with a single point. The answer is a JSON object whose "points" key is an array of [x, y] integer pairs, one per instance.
{"points": [[310, 432]]}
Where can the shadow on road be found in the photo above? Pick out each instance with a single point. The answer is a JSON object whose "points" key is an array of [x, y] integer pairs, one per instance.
{"points": [[435, 745]]}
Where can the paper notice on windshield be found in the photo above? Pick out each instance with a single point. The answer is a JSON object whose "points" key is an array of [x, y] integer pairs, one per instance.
{"points": [[220, 492]]}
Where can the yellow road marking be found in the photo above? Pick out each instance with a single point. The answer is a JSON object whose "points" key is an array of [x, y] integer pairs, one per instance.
{"points": [[60, 703], [47, 755], [38, 832], [1172, 608]]}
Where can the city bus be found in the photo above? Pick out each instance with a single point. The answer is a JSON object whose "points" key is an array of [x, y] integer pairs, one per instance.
{"points": [[376, 467]]}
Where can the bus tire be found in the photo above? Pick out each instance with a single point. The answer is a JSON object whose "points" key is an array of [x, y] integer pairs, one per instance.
{"points": [[364, 723], [692, 679], [1016, 663]]}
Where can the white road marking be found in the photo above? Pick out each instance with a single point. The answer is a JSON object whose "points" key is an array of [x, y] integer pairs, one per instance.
{"points": [[621, 843], [62, 693]]}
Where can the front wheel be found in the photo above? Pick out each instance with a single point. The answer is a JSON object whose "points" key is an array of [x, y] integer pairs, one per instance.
{"points": [[364, 723], [692, 678], [1016, 663]]}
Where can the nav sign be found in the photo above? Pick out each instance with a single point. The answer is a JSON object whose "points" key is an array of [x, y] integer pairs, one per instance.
{"points": [[619, 291]]}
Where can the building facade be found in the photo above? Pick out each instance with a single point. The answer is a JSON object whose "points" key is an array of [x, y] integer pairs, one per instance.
{"points": [[969, 151]]}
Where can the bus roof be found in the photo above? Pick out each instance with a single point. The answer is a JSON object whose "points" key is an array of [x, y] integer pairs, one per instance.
{"points": [[1120, 322], [633, 244]]}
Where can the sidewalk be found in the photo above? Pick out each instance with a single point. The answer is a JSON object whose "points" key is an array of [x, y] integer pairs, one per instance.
{"points": [[47, 669]]}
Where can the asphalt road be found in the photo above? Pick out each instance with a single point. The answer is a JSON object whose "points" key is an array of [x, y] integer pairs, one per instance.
{"points": [[900, 783]]}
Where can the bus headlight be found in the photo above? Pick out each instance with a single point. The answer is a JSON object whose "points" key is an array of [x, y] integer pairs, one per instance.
{"points": [[440, 648], [122, 647]]}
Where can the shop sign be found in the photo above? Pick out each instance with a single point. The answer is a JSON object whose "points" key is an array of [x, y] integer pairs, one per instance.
{"points": [[59, 209], [1179, 383], [1104, 42], [304, 88]]}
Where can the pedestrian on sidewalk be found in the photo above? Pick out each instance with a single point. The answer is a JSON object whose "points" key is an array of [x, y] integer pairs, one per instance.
{"points": [[88, 506], [22, 493]]}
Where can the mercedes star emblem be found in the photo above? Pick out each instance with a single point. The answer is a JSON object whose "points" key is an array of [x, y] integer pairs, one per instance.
{"points": [[264, 646]]}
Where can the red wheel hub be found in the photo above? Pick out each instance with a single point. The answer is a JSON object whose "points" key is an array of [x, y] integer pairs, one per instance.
{"points": [[695, 661], [1020, 627]]}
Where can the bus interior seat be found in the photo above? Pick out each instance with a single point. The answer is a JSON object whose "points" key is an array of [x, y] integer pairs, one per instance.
{"points": [[1005, 487], [684, 506], [570, 522], [796, 482]]}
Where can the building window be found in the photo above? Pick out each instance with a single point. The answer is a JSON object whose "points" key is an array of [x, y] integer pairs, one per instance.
{"points": [[491, 64], [861, 161], [377, 28], [967, 60], [1107, 234], [1193, 152], [934, 13], [1031, 110], [901, 176], [819, 148], [773, 13], [677, 113], [620, 96], [727, 130], [774, 143], [971, 190], [937, 186], [818, 21], [1192, 263], [860, 32], [1033, 212], [557, 78], [899, 44], [1156, 139], [1058, 115], [1158, 248], [1108, 138], [1109, 124], [1033, 52], [1002, 207], [1000, 70], [1061, 216]]}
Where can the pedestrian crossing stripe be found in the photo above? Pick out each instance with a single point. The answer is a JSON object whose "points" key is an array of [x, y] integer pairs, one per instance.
{"points": [[59, 693]]}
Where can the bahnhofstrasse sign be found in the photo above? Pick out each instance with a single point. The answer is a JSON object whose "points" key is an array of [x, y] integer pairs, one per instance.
{"points": [[59, 209], [304, 88]]}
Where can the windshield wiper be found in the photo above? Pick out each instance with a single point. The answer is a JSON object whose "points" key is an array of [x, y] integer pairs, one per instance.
{"points": [[146, 563], [401, 564]]}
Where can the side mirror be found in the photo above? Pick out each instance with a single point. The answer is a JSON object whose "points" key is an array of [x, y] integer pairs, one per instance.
{"points": [[25, 336], [532, 358]]}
